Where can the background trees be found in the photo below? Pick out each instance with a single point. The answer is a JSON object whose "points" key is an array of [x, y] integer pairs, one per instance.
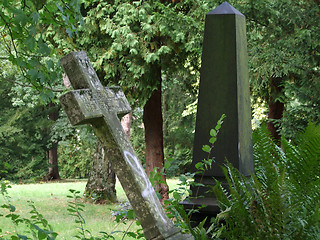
{"points": [[27, 49], [283, 38], [24, 137], [142, 45], [152, 49]]}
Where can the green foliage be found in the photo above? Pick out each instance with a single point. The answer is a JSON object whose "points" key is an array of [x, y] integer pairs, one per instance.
{"points": [[283, 42], [23, 25], [206, 163], [76, 154], [24, 136], [130, 41], [75, 208], [38, 227], [176, 210], [281, 201], [178, 131], [126, 215]]}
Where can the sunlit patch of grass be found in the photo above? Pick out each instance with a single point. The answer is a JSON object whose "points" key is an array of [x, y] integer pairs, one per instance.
{"points": [[51, 201]]}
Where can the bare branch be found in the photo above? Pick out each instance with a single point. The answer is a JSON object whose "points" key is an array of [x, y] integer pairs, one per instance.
{"points": [[12, 39]]}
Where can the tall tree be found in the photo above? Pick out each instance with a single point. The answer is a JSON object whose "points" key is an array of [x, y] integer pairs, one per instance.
{"points": [[101, 185], [284, 46], [53, 172], [23, 136], [24, 27], [140, 44]]}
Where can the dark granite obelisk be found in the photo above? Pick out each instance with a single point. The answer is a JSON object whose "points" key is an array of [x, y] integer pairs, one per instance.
{"points": [[224, 89]]}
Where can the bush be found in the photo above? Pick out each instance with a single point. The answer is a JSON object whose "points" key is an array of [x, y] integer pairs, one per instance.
{"points": [[281, 201]]}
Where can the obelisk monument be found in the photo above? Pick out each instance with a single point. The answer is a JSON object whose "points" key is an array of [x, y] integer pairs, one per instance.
{"points": [[223, 89]]}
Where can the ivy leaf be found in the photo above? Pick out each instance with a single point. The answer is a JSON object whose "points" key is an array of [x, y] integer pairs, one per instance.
{"points": [[30, 42], [22, 237], [20, 17], [59, 7], [50, 64], [33, 73], [35, 17], [199, 166], [12, 208], [167, 164], [69, 32], [176, 196]]}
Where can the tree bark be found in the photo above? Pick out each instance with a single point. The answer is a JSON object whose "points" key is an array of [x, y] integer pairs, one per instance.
{"points": [[165, 108], [126, 123], [276, 109], [153, 123], [101, 185], [53, 172]]}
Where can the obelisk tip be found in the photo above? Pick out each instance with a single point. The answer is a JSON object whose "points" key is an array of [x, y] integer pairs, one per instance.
{"points": [[225, 8]]}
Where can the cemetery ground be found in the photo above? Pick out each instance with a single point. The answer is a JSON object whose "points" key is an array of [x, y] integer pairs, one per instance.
{"points": [[51, 201]]}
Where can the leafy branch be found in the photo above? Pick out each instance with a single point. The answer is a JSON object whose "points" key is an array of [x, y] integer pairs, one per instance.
{"points": [[205, 164]]}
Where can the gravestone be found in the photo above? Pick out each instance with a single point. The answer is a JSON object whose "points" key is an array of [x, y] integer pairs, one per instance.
{"points": [[91, 103], [223, 89]]}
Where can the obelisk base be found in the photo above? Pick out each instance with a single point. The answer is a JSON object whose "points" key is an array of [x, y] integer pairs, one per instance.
{"points": [[211, 209]]}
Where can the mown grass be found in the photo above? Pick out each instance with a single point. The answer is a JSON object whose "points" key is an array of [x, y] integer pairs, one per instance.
{"points": [[51, 201]]}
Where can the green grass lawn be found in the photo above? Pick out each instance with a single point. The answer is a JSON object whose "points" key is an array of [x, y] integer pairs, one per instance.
{"points": [[51, 201]]}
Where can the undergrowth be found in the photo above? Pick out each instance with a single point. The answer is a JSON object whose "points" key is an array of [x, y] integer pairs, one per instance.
{"points": [[280, 201]]}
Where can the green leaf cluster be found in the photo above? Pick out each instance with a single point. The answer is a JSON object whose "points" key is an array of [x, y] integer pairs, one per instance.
{"points": [[130, 41], [27, 46], [281, 201], [24, 136], [76, 148], [283, 43]]}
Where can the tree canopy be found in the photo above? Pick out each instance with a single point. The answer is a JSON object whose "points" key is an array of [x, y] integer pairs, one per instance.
{"points": [[149, 46]]}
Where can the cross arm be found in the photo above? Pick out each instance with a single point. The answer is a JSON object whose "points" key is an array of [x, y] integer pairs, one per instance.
{"points": [[81, 106]]}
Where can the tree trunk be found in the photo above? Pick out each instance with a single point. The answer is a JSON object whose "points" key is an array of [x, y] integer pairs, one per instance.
{"points": [[276, 109], [53, 172], [153, 123], [165, 109], [126, 123], [101, 185]]}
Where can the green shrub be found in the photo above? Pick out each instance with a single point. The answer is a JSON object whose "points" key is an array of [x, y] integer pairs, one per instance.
{"points": [[76, 153], [282, 199]]}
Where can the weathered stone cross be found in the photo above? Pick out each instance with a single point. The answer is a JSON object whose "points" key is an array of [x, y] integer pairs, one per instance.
{"points": [[93, 104]]}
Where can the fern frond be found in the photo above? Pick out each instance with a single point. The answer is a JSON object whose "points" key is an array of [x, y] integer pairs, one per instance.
{"points": [[281, 201]]}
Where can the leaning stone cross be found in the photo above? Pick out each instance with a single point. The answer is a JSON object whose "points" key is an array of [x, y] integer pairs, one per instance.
{"points": [[91, 103]]}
